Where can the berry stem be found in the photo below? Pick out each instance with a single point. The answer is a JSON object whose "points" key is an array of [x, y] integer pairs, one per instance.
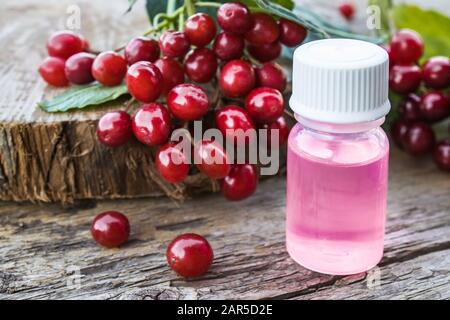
{"points": [[129, 105], [190, 7], [290, 114], [171, 5], [208, 4]]}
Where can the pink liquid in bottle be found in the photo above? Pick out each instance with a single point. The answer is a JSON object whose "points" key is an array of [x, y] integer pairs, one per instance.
{"points": [[336, 199]]}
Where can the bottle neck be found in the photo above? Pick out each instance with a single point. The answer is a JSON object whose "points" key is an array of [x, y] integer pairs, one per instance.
{"points": [[327, 127]]}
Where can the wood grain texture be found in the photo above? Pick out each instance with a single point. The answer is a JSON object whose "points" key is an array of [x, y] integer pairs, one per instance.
{"points": [[40, 245]]}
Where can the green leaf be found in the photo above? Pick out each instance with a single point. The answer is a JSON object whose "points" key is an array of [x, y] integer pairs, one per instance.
{"points": [[82, 96], [432, 26]]}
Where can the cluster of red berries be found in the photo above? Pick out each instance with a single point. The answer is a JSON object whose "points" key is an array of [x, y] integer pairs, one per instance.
{"points": [[425, 98], [238, 59], [189, 255]]}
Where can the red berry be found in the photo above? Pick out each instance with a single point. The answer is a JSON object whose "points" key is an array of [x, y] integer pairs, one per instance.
{"points": [[189, 255], [237, 78], [291, 33], [240, 183], [283, 131], [64, 44], [174, 44], [271, 75], [436, 72], [398, 131], [406, 46], [211, 159], [114, 128], [109, 68], [404, 79], [201, 65], [110, 229], [435, 106], [232, 118], [347, 10], [234, 17], [228, 46], [171, 163], [152, 124], [390, 55], [200, 29], [409, 108], [419, 139], [52, 71], [265, 52], [441, 155], [188, 102], [78, 68], [144, 81], [264, 29], [172, 72], [142, 49], [264, 105]]}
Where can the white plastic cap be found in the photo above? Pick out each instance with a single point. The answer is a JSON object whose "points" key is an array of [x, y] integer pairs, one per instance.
{"points": [[340, 81]]}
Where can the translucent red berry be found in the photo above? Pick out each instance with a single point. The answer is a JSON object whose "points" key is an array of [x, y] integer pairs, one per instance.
{"points": [[78, 68], [436, 72], [200, 29], [271, 75], [188, 102], [398, 131], [189, 255], [152, 124], [235, 124], [404, 78], [201, 65], [144, 81], [109, 68], [211, 159], [172, 72], [435, 106], [409, 108], [234, 17], [266, 52], [110, 229], [419, 139], [283, 131], [228, 46], [64, 44], [264, 105], [237, 78], [406, 46], [264, 29], [114, 128], [171, 163], [52, 71], [291, 33], [174, 44], [441, 155], [142, 49], [240, 183], [347, 10]]}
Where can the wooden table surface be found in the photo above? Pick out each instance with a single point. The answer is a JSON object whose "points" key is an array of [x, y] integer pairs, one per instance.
{"points": [[46, 251]]}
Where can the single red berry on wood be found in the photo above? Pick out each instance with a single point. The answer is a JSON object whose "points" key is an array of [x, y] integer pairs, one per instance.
{"points": [[110, 229], [114, 128], [398, 131], [171, 163], [283, 131], [441, 155], [64, 44], [231, 118], [201, 65], [406, 46], [264, 105], [78, 68], [291, 33], [144, 81], [264, 29], [271, 75], [436, 72], [142, 49], [172, 71], [347, 10], [189, 255], [200, 29], [435, 106], [237, 78], [174, 44], [228, 46], [52, 71], [188, 102], [419, 139], [240, 183], [409, 108], [234, 17], [109, 68], [211, 159], [152, 124], [404, 79], [265, 52]]}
